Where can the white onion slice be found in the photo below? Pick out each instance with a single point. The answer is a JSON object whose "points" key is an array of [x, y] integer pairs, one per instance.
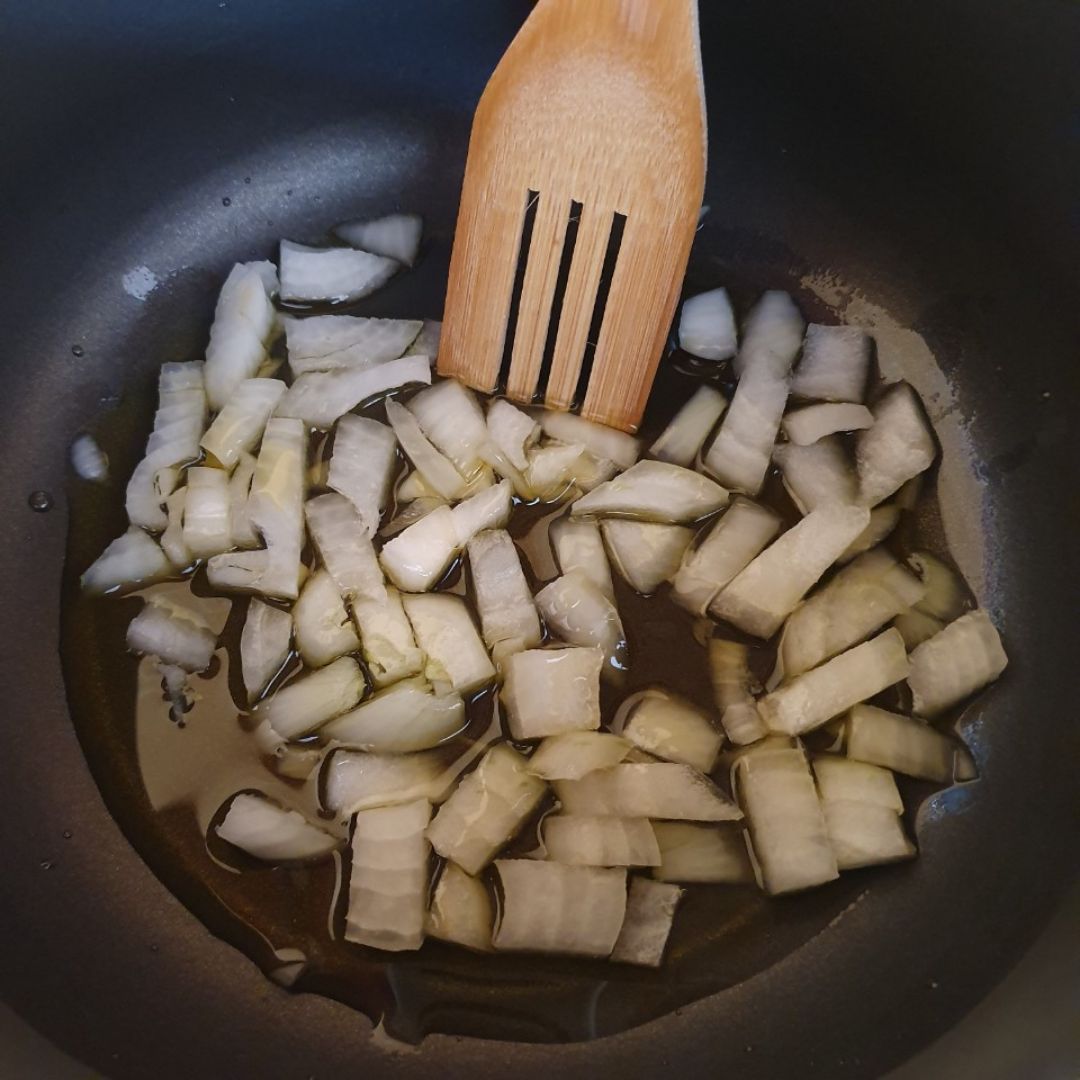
{"points": [[427, 341], [243, 323], [321, 397], [644, 552], [739, 536], [552, 470], [452, 419], [963, 658], [414, 486], [388, 885], [386, 639], [270, 832], [707, 326], [548, 907], [445, 631], [898, 446], [669, 727], [740, 453], [901, 743], [655, 491], [701, 853], [835, 364], [772, 336], [945, 596], [207, 512], [264, 645], [791, 844], [408, 716], [397, 236], [489, 508], [661, 790], [813, 422], [345, 548], [375, 340], [681, 441], [324, 630], [863, 835], [883, 519], [88, 459], [486, 809], [134, 558], [599, 440], [331, 274], [817, 474], [811, 699], [844, 780], [514, 432], [173, 633], [362, 466], [581, 840], [916, 627], [306, 703], [579, 546], [461, 910], [572, 754], [438, 471], [416, 558], [731, 687], [356, 780], [507, 613], [239, 426], [590, 472], [580, 614], [550, 691], [241, 530], [762, 595]]}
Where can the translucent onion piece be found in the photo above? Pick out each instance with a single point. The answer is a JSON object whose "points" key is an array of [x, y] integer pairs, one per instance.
{"points": [[345, 548], [790, 840], [571, 755], [701, 853], [817, 474], [835, 364], [356, 780], [580, 614], [549, 907], [514, 432], [324, 630], [414, 486], [321, 397], [452, 419], [552, 469], [397, 236], [239, 426], [270, 832], [591, 472], [963, 658], [644, 552], [810, 700], [207, 509], [88, 459], [306, 703], [883, 519], [808, 425], [579, 546], [427, 341], [661, 790], [486, 809], [461, 910], [489, 508], [581, 840], [671, 728], [404, 718], [444, 629], [843, 780], [945, 596], [916, 627], [388, 885], [241, 529], [243, 323], [738, 536], [655, 491], [331, 274], [132, 559], [173, 633], [762, 595], [415, 559], [386, 639], [681, 441], [438, 471], [362, 466], [900, 743], [600, 441], [264, 645], [863, 835], [507, 613], [898, 446], [772, 336], [650, 913], [172, 539], [707, 326], [731, 687], [861, 599], [550, 691], [365, 343]]}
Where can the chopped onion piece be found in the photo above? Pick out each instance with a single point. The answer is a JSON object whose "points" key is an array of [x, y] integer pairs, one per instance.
{"points": [[489, 508], [452, 419], [813, 422], [916, 627], [173, 633], [264, 645], [321, 397], [356, 780], [552, 469], [707, 326], [835, 364], [238, 428], [88, 459], [132, 559], [572, 754], [945, 596], [550, 691], [324, 630], [883, 519], [270, 832], [740, 453], [416, 558], [397, 236], [345, 548], [701, 853], [599, 440], [861, 599], [738, 536], [414, 486], [581, 840], [661, 790], [486, 809], [645, 552], [362, 466], [673, 729], [438, 471], [461, 910], [306, 703], [444, 629], [579, 546], [817, 474], [575, 609], [863, 835], [406, 717], [388, 885], [900, 743], [731, 687], [591, 472], [772, 337], [791, 844], [331, 274], [809, 700], [549, 907], [655, 491], [514, 432], [762, 595], [172, 539], [427, 341], [507, 613], [241, 530], [207, 512], [362, 339], [844, 780], [243, 323], [898, 446], [963, 658], [386, 639], [681, 441]]}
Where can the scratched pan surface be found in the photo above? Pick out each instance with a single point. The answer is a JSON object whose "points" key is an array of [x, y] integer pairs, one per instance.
{"points": [[912, 169]]}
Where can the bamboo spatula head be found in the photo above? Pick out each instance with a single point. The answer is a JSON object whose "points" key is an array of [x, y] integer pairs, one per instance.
{"points": [[584, 180]]}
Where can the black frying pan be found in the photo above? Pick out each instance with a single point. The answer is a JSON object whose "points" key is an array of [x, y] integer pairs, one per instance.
{"points": [[924, 153]]}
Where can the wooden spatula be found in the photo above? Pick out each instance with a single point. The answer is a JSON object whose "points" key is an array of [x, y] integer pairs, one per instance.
{"points": [[584, 180]]}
